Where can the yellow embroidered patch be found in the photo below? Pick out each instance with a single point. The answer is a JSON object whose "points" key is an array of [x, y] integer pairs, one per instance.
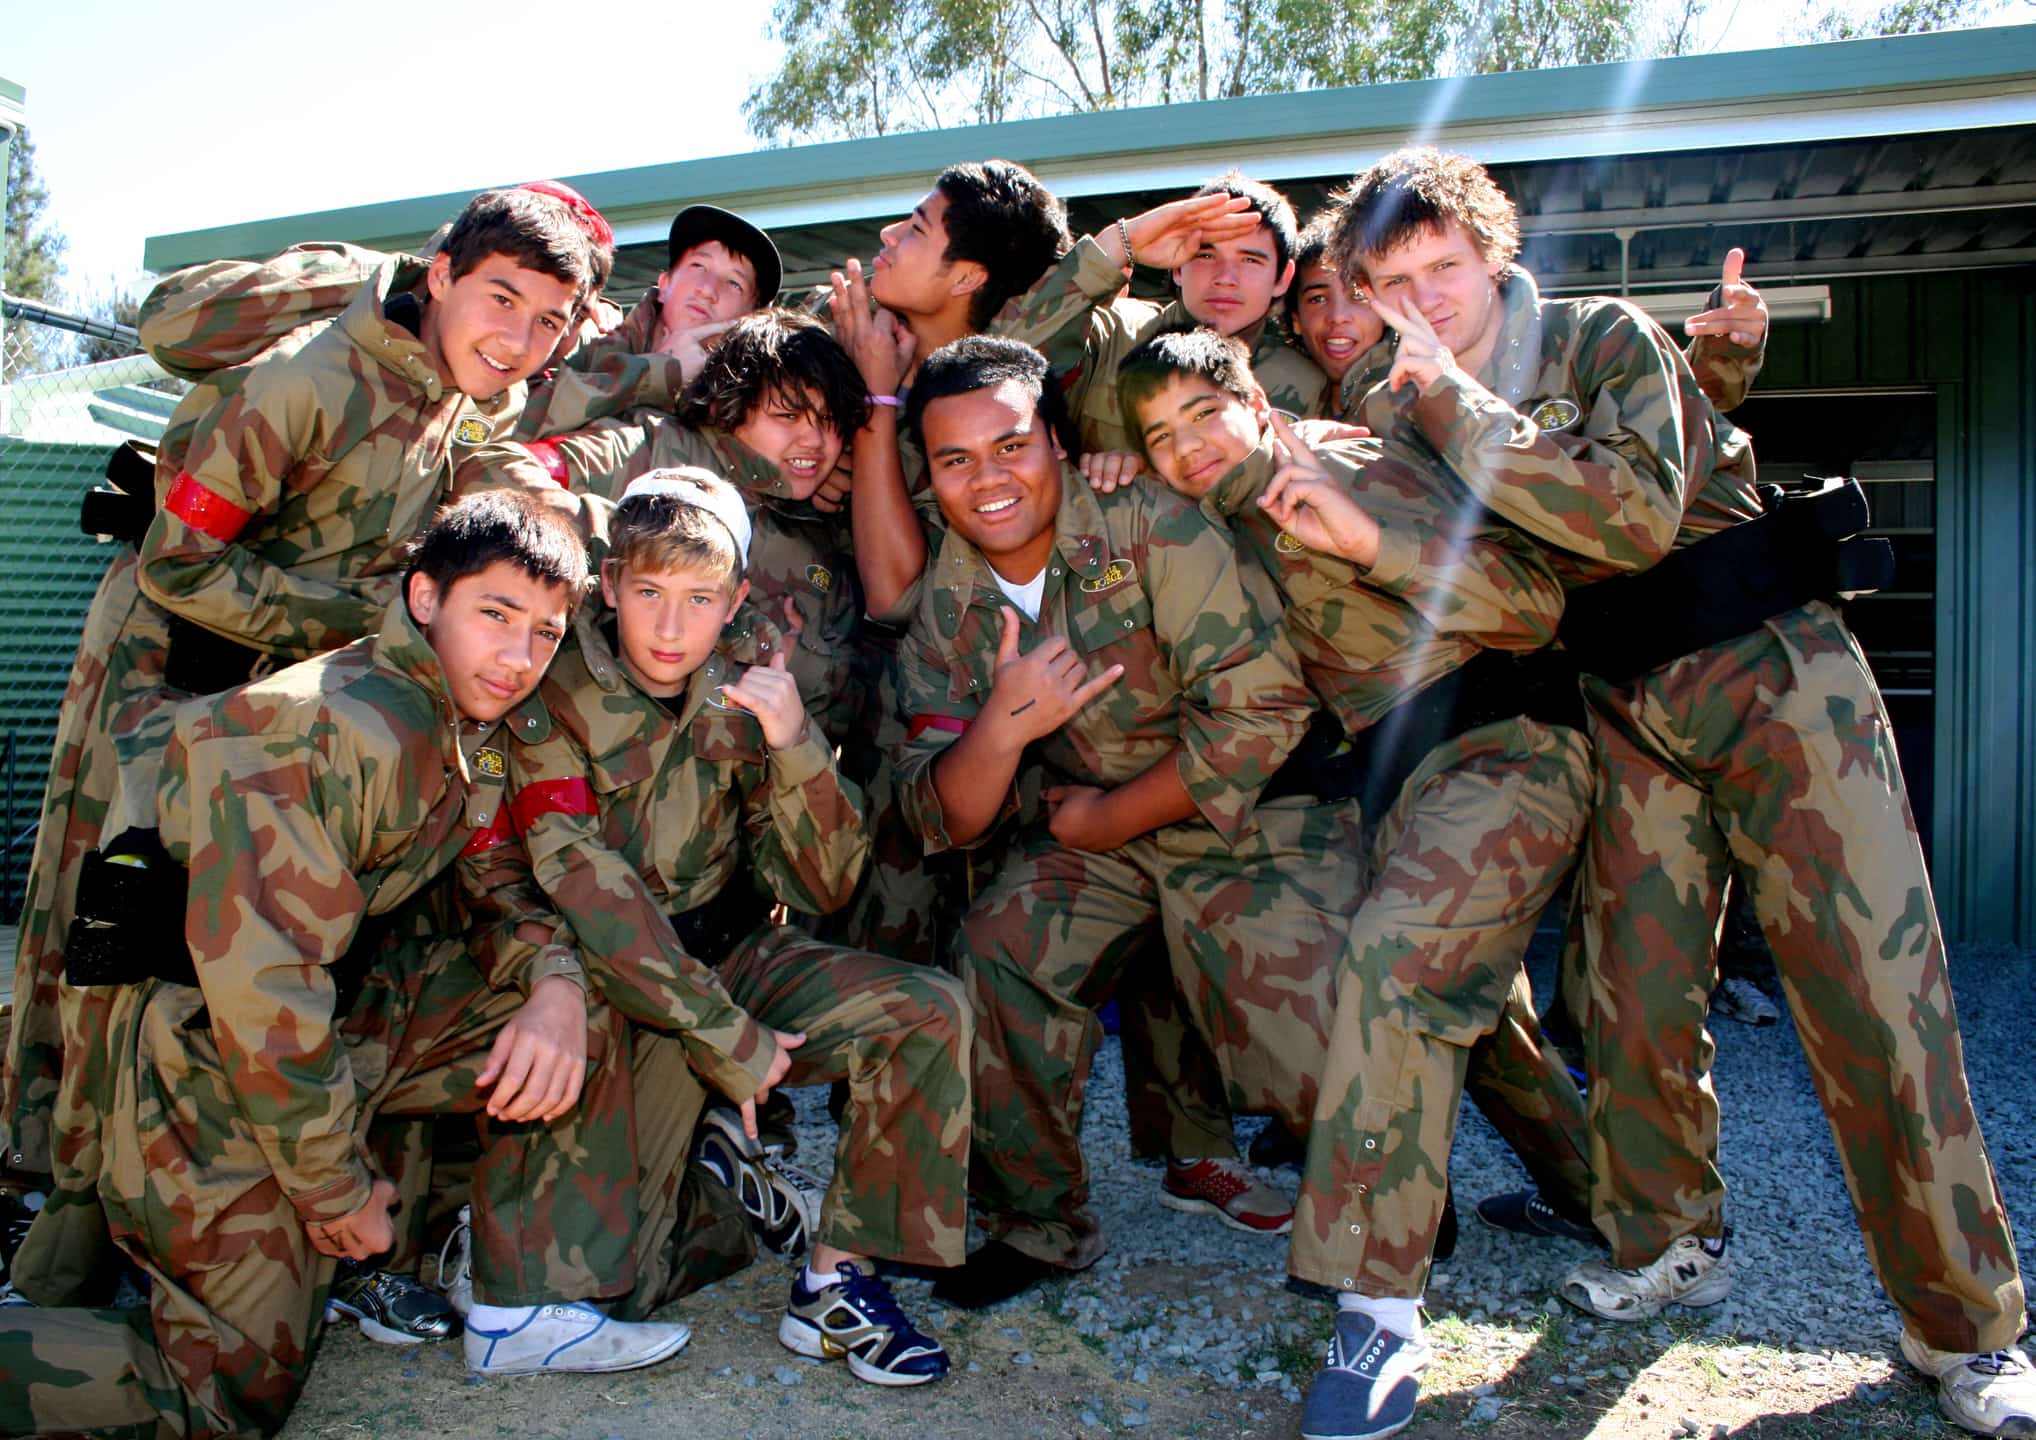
{"points": [[821, 576], [471, 430], [491, 763], [1286, 544], [1114, 574], [1556, 414]]}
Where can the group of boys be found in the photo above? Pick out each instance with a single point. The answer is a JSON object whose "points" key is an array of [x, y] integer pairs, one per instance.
{"points": [[589, 722]]}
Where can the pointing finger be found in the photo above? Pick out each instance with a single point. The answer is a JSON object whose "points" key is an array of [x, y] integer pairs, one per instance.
{"points": [[1735, 265]]}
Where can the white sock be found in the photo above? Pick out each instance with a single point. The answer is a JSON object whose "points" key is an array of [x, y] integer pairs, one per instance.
{"points": [[815, 1280], [499, 1317], [1402, 1317]]}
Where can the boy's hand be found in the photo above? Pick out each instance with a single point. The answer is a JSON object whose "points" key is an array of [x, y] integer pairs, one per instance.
{"points": [[1310, 506], [1038, 692], [771, 694], [1742, 318], [1420, 356], [1328, 432], [1079, 817], [781, 1066], [1108, 470], [366, 1233], [878, 341], [539, 1061], [690, 346], [832, 496], [1168, 236]]}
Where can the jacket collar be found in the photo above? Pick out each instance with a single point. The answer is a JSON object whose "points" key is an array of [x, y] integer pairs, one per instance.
{"points": [[367, 324], [1244, 480]]}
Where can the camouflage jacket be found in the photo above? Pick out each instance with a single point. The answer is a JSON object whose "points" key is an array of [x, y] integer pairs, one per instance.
{"points": [[1078, 317], [630, 813], [1587, 429], [300, 480], [1141, 578], [615, 368], [302, 804], [795, 552], [1450, 580]]}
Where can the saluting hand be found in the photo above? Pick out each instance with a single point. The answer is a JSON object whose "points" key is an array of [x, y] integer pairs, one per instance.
{"points": [[1036, 693], [771, 694], [1420, 356], [1742, 315], [1169, 236], [1304, 498]]}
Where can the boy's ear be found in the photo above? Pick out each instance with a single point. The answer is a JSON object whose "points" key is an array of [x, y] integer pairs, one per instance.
{"points": [[611, 570], [1286, 282], [438, 279], [969, 277], [741, 594], [421, 594], [1260, 405]]}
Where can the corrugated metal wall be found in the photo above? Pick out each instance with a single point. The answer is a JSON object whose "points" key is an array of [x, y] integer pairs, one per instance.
{"points": [[1973, 337]]}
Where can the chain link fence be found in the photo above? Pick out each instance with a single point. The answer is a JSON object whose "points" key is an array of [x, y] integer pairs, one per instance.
{"points": [[71, 391]]}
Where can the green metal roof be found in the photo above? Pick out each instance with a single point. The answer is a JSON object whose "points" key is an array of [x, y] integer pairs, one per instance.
{"points": [[1900, 85]]}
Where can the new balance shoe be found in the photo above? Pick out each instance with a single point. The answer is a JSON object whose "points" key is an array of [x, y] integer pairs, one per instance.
{"points": [[1228, 1190], [391, 1308], [1742, 1000], [1692, 1272], [1368, 1384], [456, 1263], [1524, 1212], [781, 1200], [855, 1317], [1991, 1393], [564, 1339]]}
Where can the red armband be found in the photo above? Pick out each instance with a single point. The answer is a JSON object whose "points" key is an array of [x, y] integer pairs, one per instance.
{"points": [[546, 454], [199, 508], [496, 832], [551, 797], [922, 723]]}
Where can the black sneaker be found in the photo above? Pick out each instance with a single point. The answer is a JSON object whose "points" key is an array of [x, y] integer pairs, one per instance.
{"points": [[856, 1318], [1524, 1212], [394, 1309], [781, 1200]]}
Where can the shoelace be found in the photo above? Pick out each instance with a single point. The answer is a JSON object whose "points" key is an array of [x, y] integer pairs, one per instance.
{"points": [[1997, 1362], [869, 1294]]}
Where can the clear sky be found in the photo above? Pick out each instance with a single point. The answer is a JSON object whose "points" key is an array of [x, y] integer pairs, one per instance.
{"points": [[148, 119]]}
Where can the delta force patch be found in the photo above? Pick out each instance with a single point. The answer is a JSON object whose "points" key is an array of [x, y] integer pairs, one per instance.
{"points": [[471, 430], [1114, 574], [491, 763], [1556, 414]]}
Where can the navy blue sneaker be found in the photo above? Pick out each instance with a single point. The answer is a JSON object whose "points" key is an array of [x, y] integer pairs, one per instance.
{"points": [[1368, 1385], [1525, 1212], [858, 1318]]}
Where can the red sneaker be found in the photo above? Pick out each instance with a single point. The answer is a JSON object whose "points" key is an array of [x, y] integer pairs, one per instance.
{"points": [[1229, 1190]]}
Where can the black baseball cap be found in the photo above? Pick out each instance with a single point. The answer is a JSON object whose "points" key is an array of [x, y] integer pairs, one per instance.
{"points": [[697, 223]]}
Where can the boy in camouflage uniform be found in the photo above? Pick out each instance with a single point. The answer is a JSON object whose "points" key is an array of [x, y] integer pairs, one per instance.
{"points": [[240, 1077], [1741, 736], [288, 489], [1141, 799], [652, 789], [1416, 621]]}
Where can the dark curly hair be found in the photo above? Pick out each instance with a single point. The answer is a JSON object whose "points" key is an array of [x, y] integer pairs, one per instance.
{"points": [[978, 362], [1273, 208], [1003, 219], [782, 352], [1416, 191]]}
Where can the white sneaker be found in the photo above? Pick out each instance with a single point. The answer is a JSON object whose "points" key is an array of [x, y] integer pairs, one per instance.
{"points": [[571, 1338], [458, 1252], [1691, 1272], [1988, 1394]]}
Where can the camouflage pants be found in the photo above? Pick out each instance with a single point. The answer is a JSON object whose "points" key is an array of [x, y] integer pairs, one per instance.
{"points": [[1251, 934], [236, 1289], [1770, 757], [1174, 1089], [900, 1035], [1476, 843]]}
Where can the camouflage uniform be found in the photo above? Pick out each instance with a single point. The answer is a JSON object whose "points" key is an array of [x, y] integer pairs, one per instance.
{"points": [[637, 810], [289, 485], [1431, 997], [1246, 900], [795, 553], [1770, 756], [1079, 318], [305, 806]]}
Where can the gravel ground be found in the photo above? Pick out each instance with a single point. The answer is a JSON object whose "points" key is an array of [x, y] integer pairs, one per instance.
{"points": [[1186, 1327]]}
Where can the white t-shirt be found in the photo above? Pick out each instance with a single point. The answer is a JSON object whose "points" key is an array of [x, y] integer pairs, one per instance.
{"points": [[1027, 596]]}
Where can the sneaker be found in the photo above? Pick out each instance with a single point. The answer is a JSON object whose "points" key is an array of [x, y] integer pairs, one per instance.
{"points": [[1524, 1212], [858, 1318], [1692, 1272], [1742, 1000], [458, 1250], [783, 1201], [1229, 1190], [391, 1308], [570, 1338], [1368, 1384], [17, 1213], [1988, 1394]]}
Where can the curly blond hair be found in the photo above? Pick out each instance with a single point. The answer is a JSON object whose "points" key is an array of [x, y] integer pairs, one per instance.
{"points": [[1416, 190]]}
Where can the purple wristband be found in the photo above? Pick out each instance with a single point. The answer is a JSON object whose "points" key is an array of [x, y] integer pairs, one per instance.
{"points": [[890, 400]]}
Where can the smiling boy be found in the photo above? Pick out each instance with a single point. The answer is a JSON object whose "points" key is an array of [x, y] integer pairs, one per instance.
{"points": [[705, 765], [300, 810], [289, 489]]}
